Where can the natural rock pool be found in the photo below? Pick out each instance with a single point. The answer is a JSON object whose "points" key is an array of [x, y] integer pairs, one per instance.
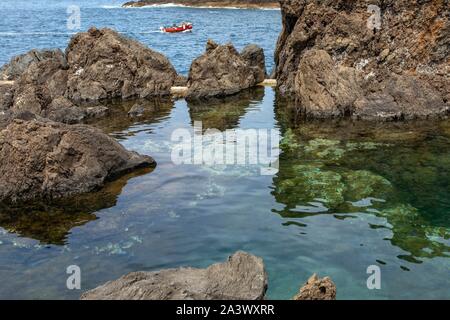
{"points": [[346, 196]]}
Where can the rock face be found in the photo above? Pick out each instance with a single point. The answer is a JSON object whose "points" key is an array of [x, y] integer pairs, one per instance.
{"points": [[18, 65], [63, 110], [104, 64], [371, 45], [40, 83], [317, 289], [255, 58], [41, 159], [6, 94], [324, 89], [242, 277], [221, 71]]}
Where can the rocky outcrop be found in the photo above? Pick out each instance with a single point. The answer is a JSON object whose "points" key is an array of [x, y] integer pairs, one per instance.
{"points": [[97, 65], [242, 277], [104, 64], [41, 159], [369, 46], [63, 110], [317, 289], [255, 58], [18, 65], [221, 71], [206, 3]]}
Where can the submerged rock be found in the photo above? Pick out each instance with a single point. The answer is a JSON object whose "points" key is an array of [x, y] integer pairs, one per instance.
{"points": [[52, 222], [414, 234], [305, 183], [317, 289], [41, 159], [221, 71], [242, 277], [362, 184], [334, 59], [104, 64]]}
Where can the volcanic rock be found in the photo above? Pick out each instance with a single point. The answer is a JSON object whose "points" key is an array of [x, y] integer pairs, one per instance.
{"points": [[390, 42], [104, 64], [242, 277], [41, 159], [221, 71], [317, 289]]}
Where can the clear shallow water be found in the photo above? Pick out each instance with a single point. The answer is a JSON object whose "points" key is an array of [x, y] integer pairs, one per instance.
{"points": [[347, 196], [25, 25], [318, 214]]}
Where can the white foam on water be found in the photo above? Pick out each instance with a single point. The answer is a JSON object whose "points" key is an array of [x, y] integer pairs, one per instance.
{"points": [[177, 5]]}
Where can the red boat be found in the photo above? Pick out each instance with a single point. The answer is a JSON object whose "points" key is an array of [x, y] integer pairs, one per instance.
{"points": [[183, 27]]}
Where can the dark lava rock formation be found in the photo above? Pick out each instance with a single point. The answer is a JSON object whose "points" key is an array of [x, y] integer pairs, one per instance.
{"points": [[242, 277], [372, 59], [97, 65], [45, 160], [222, 71], [317, 289]]}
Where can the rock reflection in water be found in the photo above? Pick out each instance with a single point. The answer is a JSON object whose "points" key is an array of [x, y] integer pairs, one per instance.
{"points": [[52, 223], [225, 113], [390, 171], [119, 118]]}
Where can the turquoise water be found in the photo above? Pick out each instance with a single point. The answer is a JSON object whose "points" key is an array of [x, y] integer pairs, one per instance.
{"points": [[346, 196]]}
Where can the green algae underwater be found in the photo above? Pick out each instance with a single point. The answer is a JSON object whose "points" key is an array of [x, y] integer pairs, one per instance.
{"points": [[347, 195]]}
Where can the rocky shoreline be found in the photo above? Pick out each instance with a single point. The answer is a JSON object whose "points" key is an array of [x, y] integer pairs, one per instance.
{"points": [[45, 95], [247, 4]]}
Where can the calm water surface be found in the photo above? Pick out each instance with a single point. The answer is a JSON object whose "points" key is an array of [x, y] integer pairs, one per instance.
{"points": [[346, 196]]}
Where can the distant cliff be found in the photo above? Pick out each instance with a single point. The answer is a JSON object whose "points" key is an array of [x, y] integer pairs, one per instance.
{"points": [[208, 3]]}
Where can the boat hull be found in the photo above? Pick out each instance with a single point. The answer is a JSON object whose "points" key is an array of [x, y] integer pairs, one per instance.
{"points": [[187, 28]]}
